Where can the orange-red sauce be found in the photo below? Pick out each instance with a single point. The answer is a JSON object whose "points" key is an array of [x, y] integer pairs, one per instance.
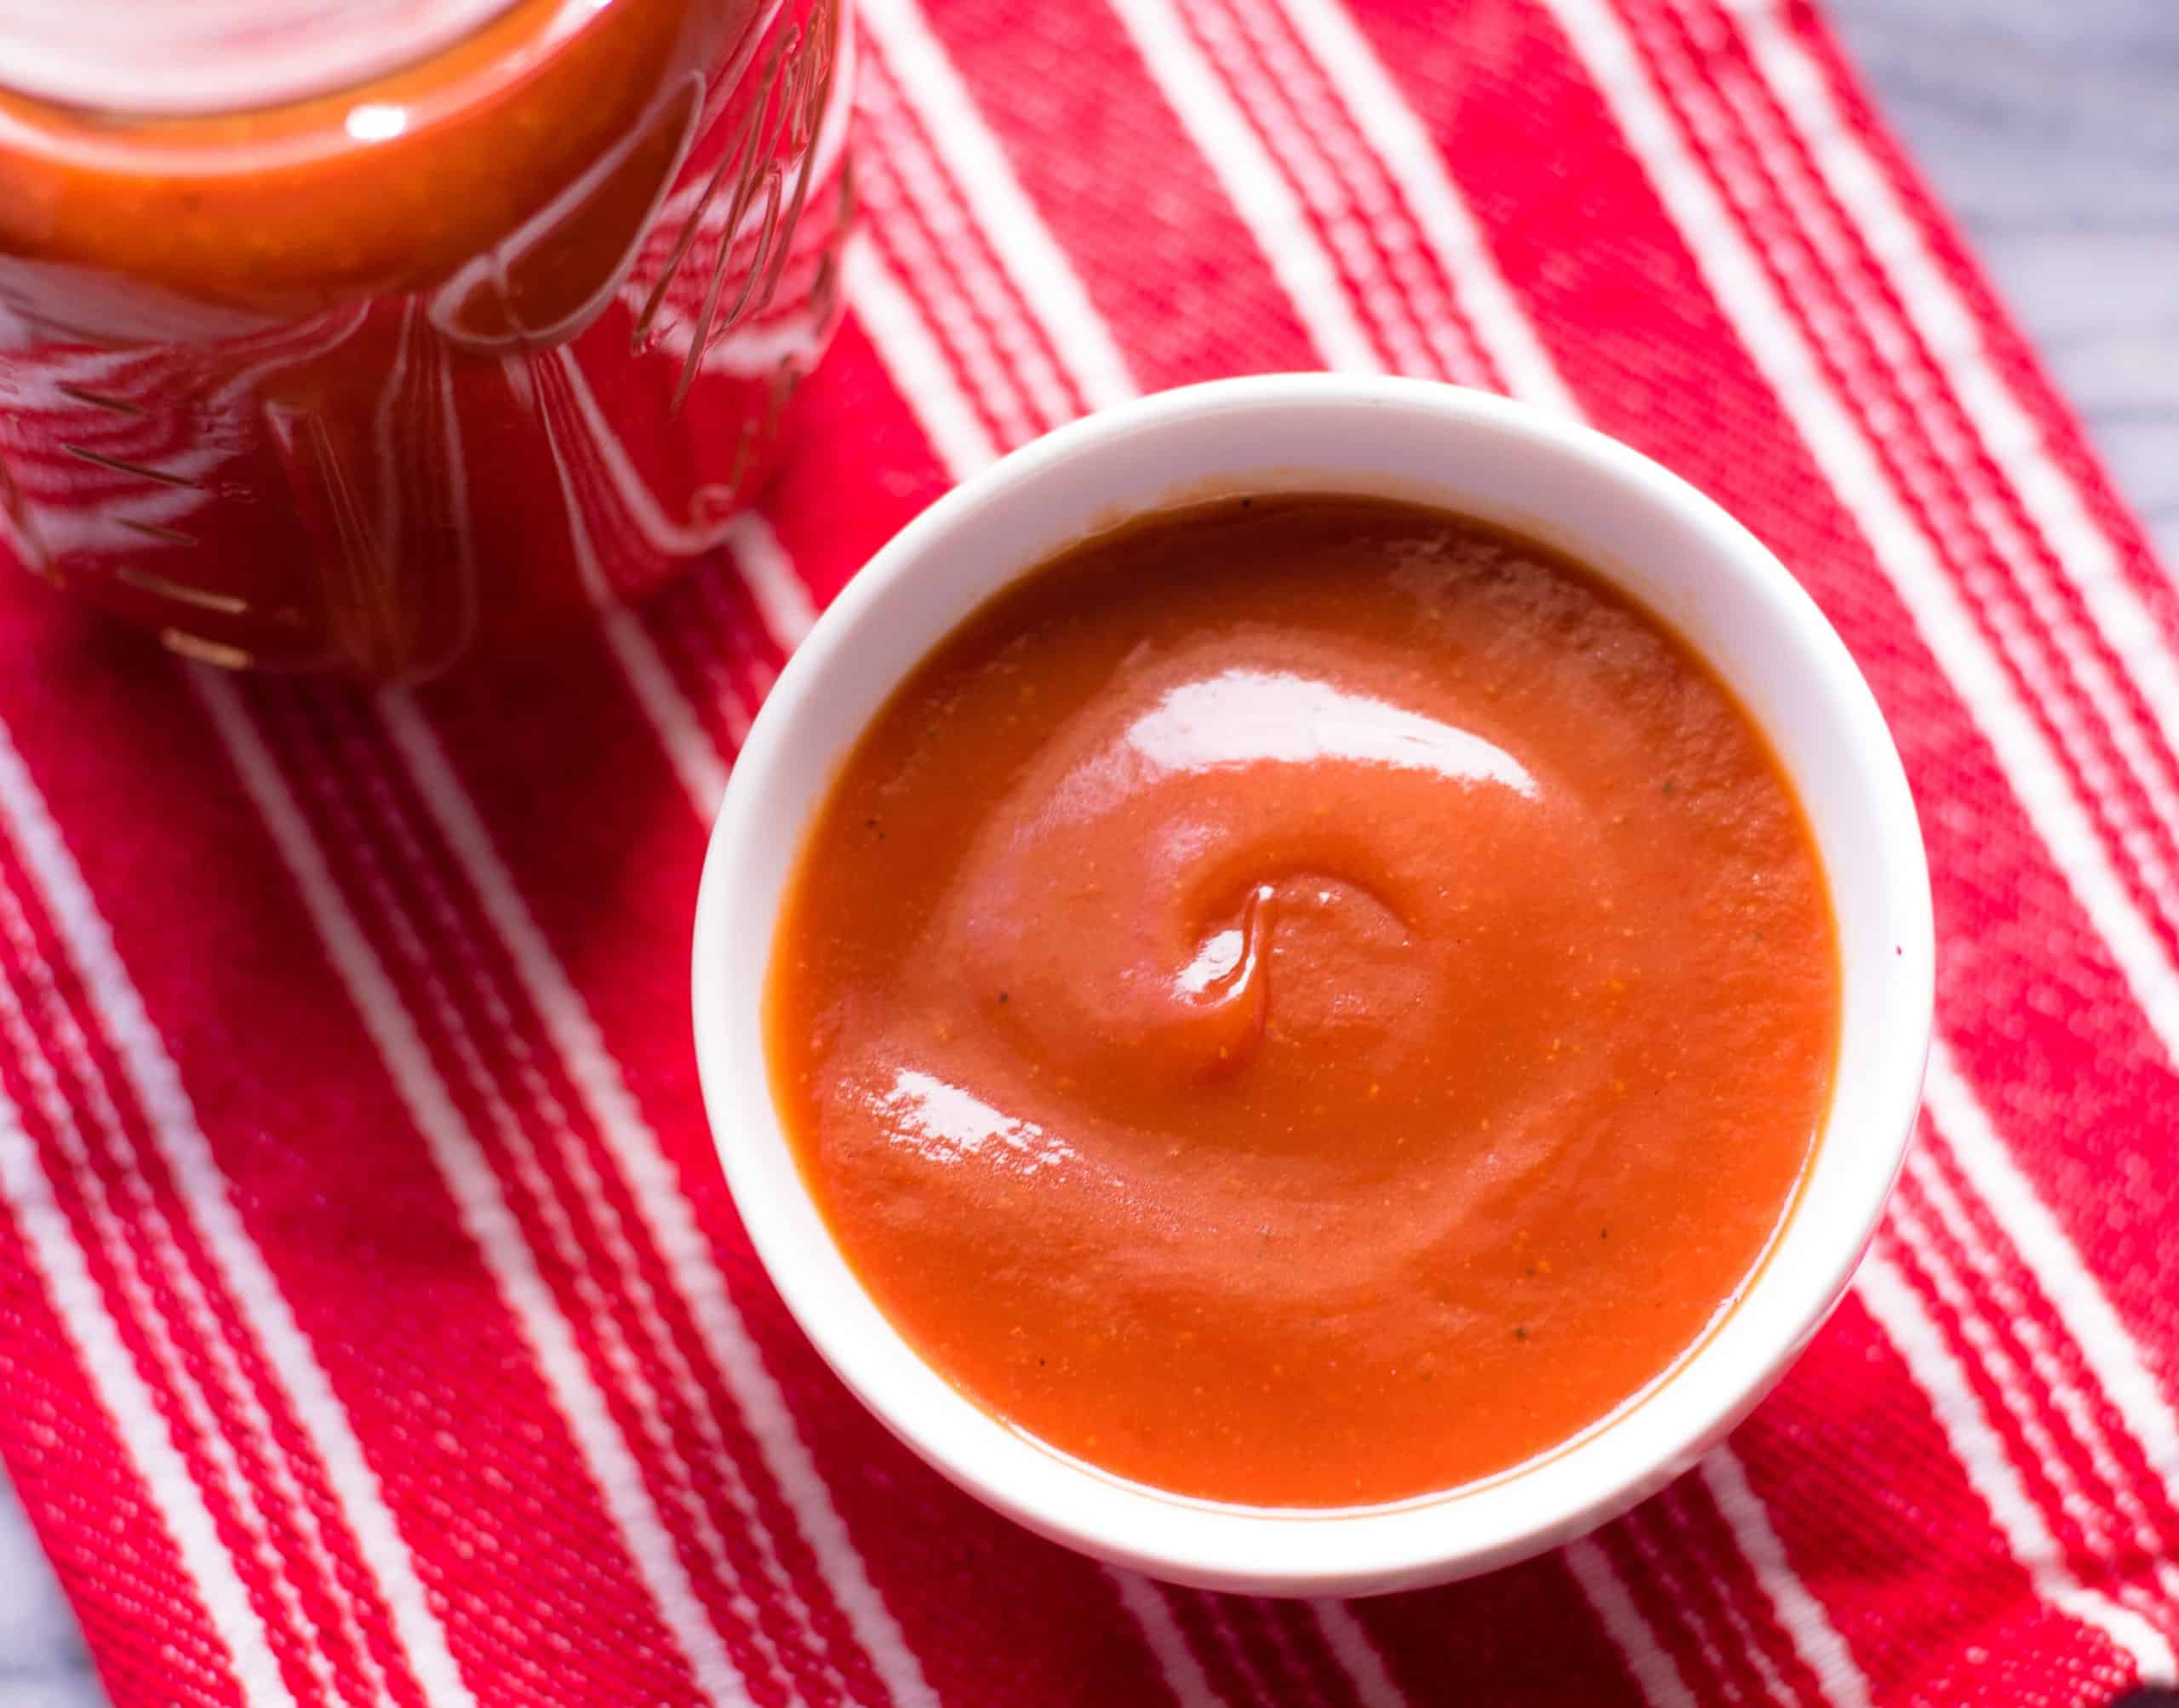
{"points": [[283, 211], [356, 382], [1306, 1001]]}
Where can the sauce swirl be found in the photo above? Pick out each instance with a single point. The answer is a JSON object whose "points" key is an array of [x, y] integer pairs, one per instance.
{"points": [[1306, 1001]]}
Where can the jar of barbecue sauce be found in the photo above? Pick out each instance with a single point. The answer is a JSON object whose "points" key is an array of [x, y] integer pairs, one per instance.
{"points": [[343, 338]]}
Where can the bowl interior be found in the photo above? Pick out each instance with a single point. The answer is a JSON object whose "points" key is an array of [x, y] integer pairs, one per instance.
{"points": [[1603, 505]]}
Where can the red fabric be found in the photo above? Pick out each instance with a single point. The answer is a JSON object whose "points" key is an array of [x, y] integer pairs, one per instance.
{"points": [[374, 1322]]}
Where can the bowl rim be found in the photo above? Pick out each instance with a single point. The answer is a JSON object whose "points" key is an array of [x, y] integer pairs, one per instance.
{"points": [[1222, 1545]]}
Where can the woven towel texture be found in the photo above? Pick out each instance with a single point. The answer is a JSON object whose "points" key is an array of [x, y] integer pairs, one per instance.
{"points": [[374, 1324]]}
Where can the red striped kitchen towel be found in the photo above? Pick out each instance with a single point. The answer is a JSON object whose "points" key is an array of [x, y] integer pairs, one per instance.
{"points": [[374, 1324]]}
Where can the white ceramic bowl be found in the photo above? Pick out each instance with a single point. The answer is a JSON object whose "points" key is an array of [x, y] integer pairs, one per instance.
{"points": [[1609, 507]]}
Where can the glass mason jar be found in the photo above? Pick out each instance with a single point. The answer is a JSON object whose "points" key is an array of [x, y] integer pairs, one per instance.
{"points": [[341, 337]]}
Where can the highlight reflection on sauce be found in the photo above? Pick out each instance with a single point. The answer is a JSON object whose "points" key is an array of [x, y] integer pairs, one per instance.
{"points": [[945, 1124], [1306, 1004], [1252, 717]]}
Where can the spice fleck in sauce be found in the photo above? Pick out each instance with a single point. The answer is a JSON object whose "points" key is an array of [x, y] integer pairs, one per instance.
{"points": [[1306, 1001]]}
